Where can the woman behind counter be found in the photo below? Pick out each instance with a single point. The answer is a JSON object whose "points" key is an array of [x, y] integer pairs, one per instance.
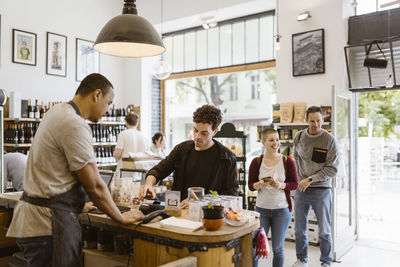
{"points": [[158, 146], [273, 175]]}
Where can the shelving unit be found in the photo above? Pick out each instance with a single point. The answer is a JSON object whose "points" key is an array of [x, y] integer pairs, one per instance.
{"points": [[228, 136], [32, 124]]}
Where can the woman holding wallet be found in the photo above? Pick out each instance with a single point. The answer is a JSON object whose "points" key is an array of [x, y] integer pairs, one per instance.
{"points": [[273, 176]]}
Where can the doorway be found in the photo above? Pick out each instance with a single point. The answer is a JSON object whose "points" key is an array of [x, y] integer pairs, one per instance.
{"points": [[378, 168]]}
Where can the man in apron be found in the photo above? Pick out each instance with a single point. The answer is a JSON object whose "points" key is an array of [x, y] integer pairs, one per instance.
{"points": [[61, 166]]}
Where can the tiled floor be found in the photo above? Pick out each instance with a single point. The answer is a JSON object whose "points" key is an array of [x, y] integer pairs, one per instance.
{"points": [[361, 255]]}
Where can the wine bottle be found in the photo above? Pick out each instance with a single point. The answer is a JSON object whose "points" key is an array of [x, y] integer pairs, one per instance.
{"points": [[36, 110], [42, 110], [21, 134], [31, 114]]}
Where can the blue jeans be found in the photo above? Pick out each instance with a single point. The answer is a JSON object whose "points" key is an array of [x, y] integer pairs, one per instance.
{"points": [[320, 199], [37, 250], [278, 220]]}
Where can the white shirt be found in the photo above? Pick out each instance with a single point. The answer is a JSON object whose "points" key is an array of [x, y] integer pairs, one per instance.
{"points": [[131, 140], [269, 197]]}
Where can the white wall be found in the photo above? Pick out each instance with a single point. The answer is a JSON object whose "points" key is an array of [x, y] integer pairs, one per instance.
{"points": [[73, 18], [329, 15]]}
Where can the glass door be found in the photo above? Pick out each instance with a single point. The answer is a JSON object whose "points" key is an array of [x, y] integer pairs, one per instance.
{"points": [[344, 208]]}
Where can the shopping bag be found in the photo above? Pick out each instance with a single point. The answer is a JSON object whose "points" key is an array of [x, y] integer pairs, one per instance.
{"points": [[262, 246]]}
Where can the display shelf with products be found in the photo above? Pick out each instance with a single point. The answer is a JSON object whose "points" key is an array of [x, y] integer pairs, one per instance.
{"points": [[236, 142]]}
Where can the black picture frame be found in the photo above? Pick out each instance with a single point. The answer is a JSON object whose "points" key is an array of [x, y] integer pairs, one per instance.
{"points": [[308, 53], [56, 54], [87, 60], [24, 46]]}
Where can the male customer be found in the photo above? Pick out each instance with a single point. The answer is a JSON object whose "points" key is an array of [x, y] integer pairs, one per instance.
{"points": [[61, 166], [316, 156], [200, 162], [14, 169], [130, 140]]}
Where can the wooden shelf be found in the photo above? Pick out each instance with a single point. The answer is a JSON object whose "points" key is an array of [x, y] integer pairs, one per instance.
{"points": [[295, 124], [22, 119], [107, 165], [105, 144], [17, 145], [108, 122]]}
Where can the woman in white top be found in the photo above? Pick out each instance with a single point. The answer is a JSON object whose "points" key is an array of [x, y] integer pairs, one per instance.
{"points": [[158, 146], [273, 176]]}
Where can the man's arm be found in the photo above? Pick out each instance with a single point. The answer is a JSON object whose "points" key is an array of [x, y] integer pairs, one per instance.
{"points": [[232, 185], [98, 192]]}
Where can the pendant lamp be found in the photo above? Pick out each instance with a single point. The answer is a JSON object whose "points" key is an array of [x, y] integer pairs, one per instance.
{"points": [[129, 35], [162, 69]]}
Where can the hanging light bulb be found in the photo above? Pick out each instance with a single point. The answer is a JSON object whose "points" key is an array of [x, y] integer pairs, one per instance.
{"points": [[161, 69]]}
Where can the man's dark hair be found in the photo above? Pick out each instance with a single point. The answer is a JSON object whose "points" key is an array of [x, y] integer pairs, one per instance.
{"points": [[313, 109], [92, 82], [208, 114], [157, 136], [132, 118]]}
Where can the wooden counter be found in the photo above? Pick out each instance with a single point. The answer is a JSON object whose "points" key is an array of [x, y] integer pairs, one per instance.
{"points": [[154, 245]]}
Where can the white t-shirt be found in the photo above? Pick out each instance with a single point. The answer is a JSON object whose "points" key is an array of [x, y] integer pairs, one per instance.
{"points": [[131, 140], [62, 145], [269, 197]]}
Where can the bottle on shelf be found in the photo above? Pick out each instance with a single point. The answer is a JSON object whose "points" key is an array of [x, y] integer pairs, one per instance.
{"points": [[31, 113], [36, 110], [21, 134], [42, 110]]}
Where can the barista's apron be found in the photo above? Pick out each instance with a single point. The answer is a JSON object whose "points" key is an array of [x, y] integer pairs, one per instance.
{"points": [[67, 233]]}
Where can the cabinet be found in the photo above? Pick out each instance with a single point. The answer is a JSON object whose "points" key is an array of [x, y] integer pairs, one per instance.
{"points": [[236, 142]]}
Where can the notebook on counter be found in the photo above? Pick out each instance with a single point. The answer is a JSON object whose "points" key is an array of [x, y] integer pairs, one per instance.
{"points": [[180, 224]]}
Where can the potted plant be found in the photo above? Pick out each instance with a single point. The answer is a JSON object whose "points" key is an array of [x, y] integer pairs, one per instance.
{"points": [[213, 216]]}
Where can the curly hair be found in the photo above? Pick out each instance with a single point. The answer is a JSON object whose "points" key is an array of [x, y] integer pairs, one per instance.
{"points": [[208, 114]]}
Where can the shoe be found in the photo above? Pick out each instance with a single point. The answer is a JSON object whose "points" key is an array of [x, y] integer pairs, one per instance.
{"points": [[299, 263], [325, 265]]}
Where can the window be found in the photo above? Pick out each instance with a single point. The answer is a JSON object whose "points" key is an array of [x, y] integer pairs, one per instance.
{"points": [[255, 86], [233, 42], [229, 92], [369, 6]]}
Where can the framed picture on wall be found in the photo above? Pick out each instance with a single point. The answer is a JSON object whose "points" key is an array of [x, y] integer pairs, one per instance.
{"points": [[24, 47], [56, 54], [308, 53], [87, 59]]}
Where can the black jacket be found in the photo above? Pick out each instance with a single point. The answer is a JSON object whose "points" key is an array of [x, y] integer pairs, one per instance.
{"points": [[224, 181]]}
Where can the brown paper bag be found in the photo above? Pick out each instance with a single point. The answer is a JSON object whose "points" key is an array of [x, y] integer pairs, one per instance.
{"points": [[299, 111], [286, 112]]}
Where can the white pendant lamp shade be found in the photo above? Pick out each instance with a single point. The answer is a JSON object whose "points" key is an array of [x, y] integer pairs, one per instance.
{"points": [[162, 69], [129, 35]]}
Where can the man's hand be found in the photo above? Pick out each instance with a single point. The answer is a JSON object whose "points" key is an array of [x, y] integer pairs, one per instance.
{"points": [[303, 185], [89, 206], [184, 204], [132, 216], [147, 188]]}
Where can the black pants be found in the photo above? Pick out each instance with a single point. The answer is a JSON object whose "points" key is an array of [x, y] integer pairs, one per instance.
{"points": [[37, 250]]}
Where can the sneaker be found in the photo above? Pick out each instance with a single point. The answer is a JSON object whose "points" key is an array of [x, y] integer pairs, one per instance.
{"points": [[325, 265], [299, 263]]}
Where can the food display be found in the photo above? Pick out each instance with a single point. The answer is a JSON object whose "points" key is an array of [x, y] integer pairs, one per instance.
{"points": [[235, 218]]}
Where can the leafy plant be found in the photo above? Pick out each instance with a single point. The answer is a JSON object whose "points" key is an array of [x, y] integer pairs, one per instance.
{"points": [[211, 203]]}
